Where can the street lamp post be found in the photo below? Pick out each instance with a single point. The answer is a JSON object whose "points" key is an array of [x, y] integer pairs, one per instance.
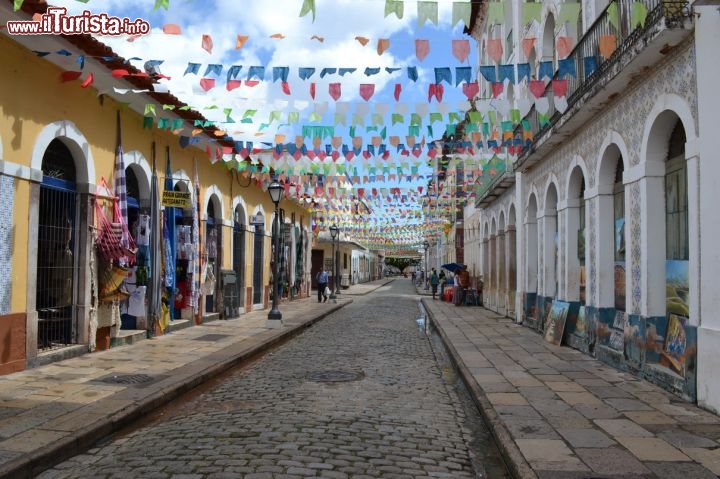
{"points": [[334, 230], [426, 246], [276, 191]]}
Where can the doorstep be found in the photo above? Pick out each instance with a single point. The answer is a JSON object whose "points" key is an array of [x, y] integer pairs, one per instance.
{"points": [[128, 336]]}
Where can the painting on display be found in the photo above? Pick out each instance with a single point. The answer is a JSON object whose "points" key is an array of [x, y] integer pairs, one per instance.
{"points": [[619, 275], [555, 322], [675, 344], [581, 323], [677, 288], [616, 340]]}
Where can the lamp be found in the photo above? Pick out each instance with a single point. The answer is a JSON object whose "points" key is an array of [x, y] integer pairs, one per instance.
{"points": [[276, 191], [334, 231]]}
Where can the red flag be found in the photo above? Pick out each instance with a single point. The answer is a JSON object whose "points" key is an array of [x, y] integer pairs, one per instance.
{"points": [[334, 90], [233, 84], [471, 89], [461, 49], [497, 89], [207, 43], [207, 83], [422, 48], [528, 44], [286, 88], [367, 90], [88, 81], [69, 76], [312, 90], [537, 88], [560, 87], [494, 49], [398, 89]]}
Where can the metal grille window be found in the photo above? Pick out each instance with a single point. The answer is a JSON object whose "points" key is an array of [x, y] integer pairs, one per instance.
{"points": [[54, 300], [258, 260], [676, 203]]}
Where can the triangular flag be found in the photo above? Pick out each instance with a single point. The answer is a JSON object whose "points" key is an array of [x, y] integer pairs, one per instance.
{"points": [[335, 91], [88, 81], [564, 46], [69, 76], [528, 44], [207, 43], [461, 12], [494, 49], [382, 45], [172, 29], [427, 11], [308, 6], [422, 48], [537, 88], [394, 6], [398, 89], [461, 49], [367, 90], [363, 40], [207, 83], [240, 42]]}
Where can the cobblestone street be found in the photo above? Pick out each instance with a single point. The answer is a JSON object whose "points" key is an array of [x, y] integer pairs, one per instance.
{"points": [[360, 394]]}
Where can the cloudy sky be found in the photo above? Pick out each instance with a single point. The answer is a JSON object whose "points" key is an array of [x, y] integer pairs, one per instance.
{"points": [[338, 22]]}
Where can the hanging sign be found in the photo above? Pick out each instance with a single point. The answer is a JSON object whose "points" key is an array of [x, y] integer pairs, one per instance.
{"points": [[176, 199]]}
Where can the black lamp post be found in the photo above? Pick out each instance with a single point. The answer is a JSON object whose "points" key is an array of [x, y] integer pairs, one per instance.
{"points": [[426, 246], [334, 230], [276, 191]]}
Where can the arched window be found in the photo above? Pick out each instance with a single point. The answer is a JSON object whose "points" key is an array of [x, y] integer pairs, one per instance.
{"points": [[676, 202]]}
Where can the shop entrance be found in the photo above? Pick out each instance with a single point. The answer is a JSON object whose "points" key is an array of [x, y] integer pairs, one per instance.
{"points": [[57, 270]]}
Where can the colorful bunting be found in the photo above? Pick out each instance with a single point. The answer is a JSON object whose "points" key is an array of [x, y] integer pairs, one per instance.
{"points": [[427, 11], [422, 48], [461, 49]]}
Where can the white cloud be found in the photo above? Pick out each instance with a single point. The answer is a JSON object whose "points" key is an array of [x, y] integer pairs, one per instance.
{"points": [[337, 21]]}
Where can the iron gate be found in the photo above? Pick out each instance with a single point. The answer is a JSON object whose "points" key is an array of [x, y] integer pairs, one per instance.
{"points": [[258, 261], [239, 262], [56, 283]]}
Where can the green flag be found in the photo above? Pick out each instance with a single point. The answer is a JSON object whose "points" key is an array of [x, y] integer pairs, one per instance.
{"points": [[307, 6], [394, 6], [531, 11], [638, 14], [496, 13], [461, 12]]}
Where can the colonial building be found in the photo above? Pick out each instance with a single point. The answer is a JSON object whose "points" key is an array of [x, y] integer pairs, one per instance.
{"points": [[600, 228], [60, 128]]}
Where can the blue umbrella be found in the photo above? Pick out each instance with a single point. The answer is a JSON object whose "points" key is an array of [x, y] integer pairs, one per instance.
{"points": [[453, 267]]}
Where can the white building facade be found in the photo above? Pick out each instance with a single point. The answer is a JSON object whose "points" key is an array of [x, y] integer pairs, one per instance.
{"points": [[605, 220]]}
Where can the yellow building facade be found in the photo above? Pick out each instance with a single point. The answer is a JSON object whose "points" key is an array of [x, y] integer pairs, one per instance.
{"points": [[58, 142]]}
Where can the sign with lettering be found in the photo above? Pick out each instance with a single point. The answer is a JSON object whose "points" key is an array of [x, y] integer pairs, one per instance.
{"points": [[176, 199]]}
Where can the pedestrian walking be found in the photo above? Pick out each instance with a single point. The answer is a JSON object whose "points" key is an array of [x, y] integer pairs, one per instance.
{"points": [[434, 281], [322, 282], [443, 282]]}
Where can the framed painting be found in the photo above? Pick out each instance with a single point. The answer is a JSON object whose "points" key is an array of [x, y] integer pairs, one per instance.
{"points": [[555, 322]]}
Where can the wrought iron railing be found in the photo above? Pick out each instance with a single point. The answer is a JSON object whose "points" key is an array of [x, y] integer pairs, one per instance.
{"points": [[625, 29], [497, 168]]}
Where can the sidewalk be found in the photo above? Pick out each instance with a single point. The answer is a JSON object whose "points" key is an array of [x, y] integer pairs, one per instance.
{"points": [[558, 413], [56, 411]]}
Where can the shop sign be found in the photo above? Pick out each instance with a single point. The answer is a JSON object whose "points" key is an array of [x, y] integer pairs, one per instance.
{"points": [[176, 199]]}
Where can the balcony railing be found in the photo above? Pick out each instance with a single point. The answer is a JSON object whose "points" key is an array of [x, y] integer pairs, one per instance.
{"points": [[497, 168], [593, 68]]}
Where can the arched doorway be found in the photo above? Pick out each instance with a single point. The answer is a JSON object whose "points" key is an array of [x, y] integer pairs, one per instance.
{"points": [[56, 290], [213, 250], [258, 262], [531, 262], [238, 246]]}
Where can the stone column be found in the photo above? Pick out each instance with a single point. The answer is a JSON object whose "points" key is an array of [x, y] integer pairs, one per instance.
{"points": [[501, 276], [549, 263], [568, 212], [493, 272], [486, 268], [511, 281], [600, 256]]}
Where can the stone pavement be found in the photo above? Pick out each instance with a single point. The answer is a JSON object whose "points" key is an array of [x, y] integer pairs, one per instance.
{"points": [[558, 413], [555, 412]]}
